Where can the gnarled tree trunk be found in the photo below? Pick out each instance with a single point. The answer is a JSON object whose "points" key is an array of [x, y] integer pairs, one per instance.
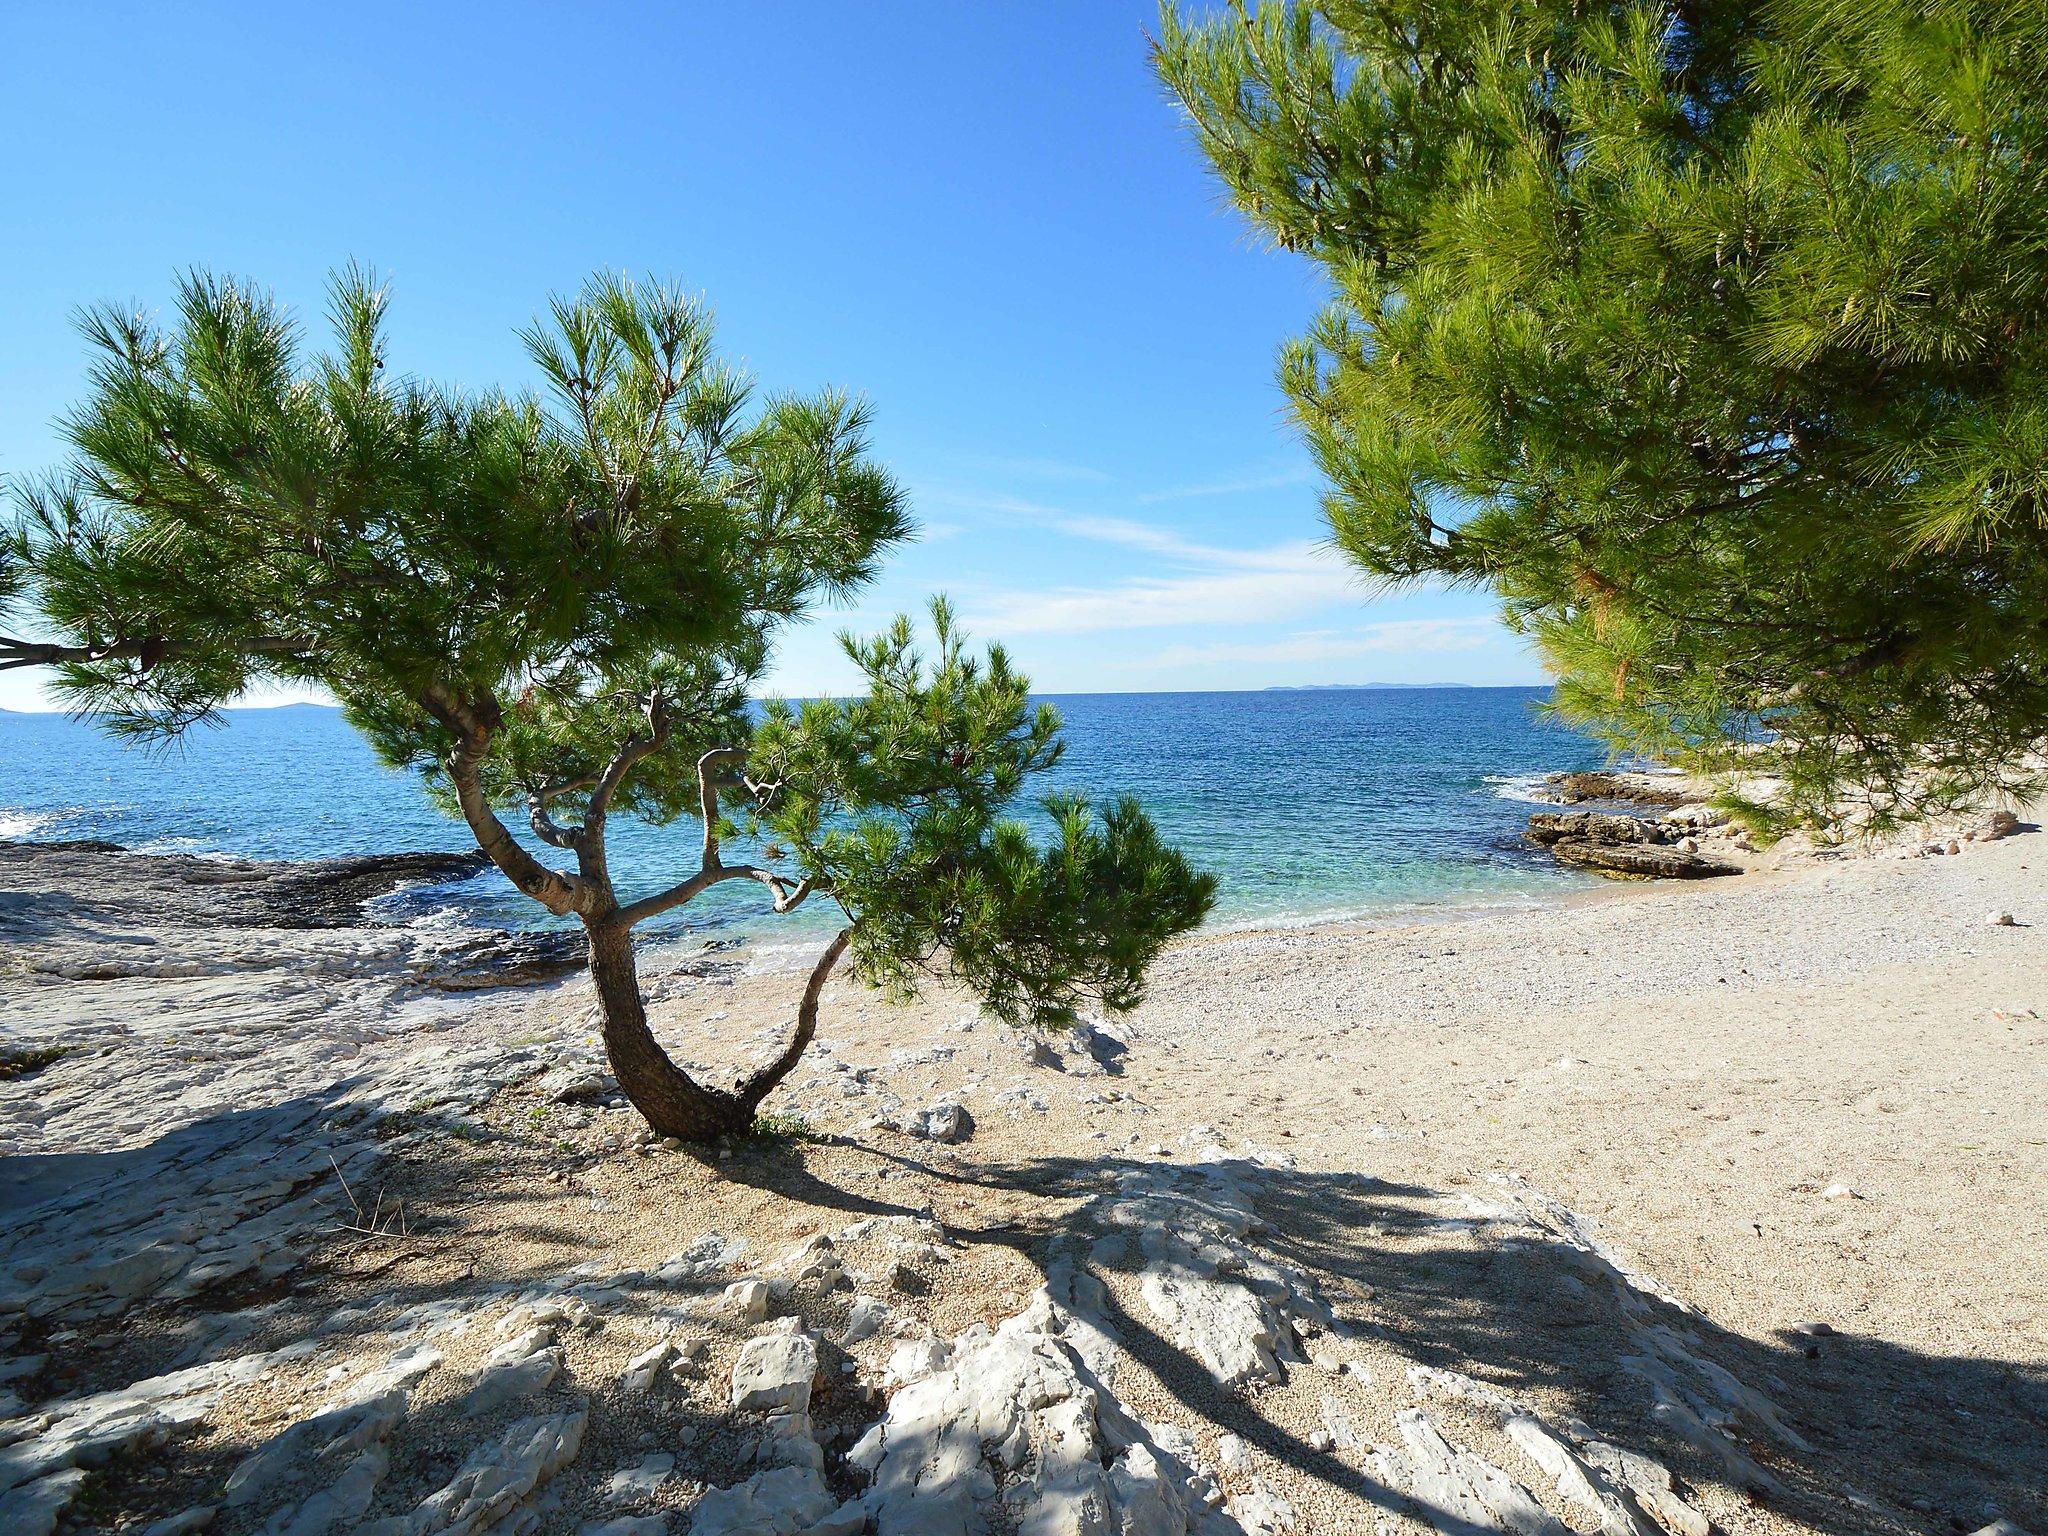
{"points": [[672, 1101]]}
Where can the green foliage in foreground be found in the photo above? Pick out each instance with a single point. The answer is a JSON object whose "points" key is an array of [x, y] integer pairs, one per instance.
{"points": [[1709, 335], [557, 606]]}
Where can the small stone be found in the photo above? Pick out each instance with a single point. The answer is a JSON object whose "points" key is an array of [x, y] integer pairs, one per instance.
{"points": [[947, 1122], [864, 1319], [1814, 1330], [1999, 824], [641, 1482], [643, 1371], [750, 1298], [2000, 919], [776, 1372], [580, 1085], [1839, 1192]]}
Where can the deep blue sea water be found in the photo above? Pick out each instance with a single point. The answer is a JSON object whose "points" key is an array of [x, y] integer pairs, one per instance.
{"points": [[1306, 804]]}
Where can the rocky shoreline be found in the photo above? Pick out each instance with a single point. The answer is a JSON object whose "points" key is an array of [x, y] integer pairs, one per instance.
{"points": [[54, 893], [1688, 838], [298, 1245]]}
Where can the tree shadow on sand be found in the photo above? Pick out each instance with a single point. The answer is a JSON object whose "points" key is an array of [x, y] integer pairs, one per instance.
{"points": [[1882, 1437], [1879, 1436]]}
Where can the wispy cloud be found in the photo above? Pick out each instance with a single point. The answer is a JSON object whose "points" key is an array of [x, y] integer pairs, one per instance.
{"points": [[986, 501], [1222, 586], [1163, 541], [1280, 592], [1230, 487], [1395, 637]]}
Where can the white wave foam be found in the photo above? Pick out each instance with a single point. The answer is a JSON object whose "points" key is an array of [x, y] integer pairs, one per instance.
{"points": [[1529, 788], [25, 826], [1390, 914], [186, 847]]}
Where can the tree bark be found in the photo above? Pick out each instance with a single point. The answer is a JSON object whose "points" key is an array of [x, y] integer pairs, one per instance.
{"points": [[672, 1101], [762, 1083]]}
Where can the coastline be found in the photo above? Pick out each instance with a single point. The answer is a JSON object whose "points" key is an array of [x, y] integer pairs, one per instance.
{"points": [[1508, 1152]]}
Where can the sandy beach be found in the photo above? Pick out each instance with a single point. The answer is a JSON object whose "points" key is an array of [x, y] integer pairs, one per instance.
{"points": [[1717, 1205]]}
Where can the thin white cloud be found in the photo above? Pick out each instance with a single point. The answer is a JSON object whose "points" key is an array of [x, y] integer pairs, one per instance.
{"points": [[1396, 637], [984, 501], [1303, 555], [1233, 487], [1236, 597]]}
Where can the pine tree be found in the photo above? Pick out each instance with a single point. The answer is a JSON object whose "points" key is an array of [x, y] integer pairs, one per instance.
{"points": [[557, 607], [1708, 335]]}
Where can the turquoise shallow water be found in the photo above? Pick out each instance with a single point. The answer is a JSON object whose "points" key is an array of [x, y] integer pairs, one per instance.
{"points": [[1306, 804]]}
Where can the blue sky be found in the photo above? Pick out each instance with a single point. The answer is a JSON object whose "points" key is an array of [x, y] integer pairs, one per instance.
{"points": [[985, 217]]}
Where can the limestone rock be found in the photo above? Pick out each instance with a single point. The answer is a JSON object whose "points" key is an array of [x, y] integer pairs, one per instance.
{"points": [[774, 1373], [1019, 1432], [516, 1369], [785, 1501], [183, 1523], [496, 1477], [1229, 1305], [32, 1508], [1548, 827], [1465, 1488], [341, 1503], [749, 1298], [864, 1319], [644, 1371], [702, 1259], [86, 1431], [641, 1482], [625, 1525], [947, 1122], [1631, 788], [1640, 862]]}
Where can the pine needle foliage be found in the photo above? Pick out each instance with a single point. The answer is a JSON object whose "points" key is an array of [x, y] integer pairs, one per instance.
{"points": [[558, 604], [1708, 335]]}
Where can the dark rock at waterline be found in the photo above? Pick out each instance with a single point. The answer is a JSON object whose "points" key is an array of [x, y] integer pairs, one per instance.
{"points": [[1626, 847], [1552, 827], [474, 963], [1640, 861], [1621, 788], [39, 880], [99, 898]]}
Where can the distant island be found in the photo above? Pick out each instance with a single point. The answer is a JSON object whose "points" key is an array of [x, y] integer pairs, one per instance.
{"points": [[1313, 687]]}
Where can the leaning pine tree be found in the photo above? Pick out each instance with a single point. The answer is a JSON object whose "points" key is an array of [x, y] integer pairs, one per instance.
{"points": [[557, 609], [1711, 334]]}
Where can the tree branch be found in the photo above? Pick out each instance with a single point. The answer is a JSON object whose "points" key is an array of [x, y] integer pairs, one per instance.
{"points": [[31, 653], [636, 750], [751, 1092], [472, 722], [546, 828], [708, 781], [788, 897]]}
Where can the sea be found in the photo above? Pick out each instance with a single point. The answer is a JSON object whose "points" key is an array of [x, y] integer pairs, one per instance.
{"points": [[1308, 805]]}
